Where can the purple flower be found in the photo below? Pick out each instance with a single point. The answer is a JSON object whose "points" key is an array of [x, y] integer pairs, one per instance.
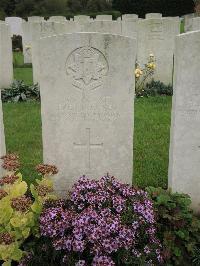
{"points": [[103, 217]]}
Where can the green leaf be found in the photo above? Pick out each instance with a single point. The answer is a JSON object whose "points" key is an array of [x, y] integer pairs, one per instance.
{"points": [[19, 190], [7, 263], [37, 207]]}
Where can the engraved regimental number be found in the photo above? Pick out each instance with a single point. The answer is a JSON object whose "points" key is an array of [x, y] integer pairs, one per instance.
{"points": [[87, 68], [88, 145]]}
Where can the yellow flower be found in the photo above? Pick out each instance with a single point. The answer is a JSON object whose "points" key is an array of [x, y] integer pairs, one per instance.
{"points": [[138, 72], [151, 65]]}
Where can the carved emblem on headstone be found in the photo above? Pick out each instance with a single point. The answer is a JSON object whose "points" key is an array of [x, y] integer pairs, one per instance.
{"points": [[87, 68]]}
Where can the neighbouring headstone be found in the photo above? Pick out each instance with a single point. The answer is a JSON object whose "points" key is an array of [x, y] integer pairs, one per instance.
{"points": [[41, 30], [153, 15], [6, 64], [184, 166], [57, 19], [81, 18], [157, 36], [2, 137], [35, 19], [188, 21], [15, 25], [129, 27], [26, 41], [196, 24], [112, 27], [104, 17], [87, 102], [129, 17]]}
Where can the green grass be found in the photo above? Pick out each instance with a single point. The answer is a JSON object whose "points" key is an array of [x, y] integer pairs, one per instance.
{"points": [[151, 138], [24, 74], [18, 59], [151, 141], [23, 134], [21, 71]]}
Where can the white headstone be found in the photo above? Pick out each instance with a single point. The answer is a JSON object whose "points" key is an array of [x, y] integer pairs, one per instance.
{"points": [[35, 19], [153, 15], [26, 41], [104, 17], [41, 30], [81, 18], [87, 101], [15, 25], [129, 17], [196, 24], [184, 166], [2, 137], [188, 21], [6, 64], [130, 28], [57, 19], [112, 27], [157, 36]]}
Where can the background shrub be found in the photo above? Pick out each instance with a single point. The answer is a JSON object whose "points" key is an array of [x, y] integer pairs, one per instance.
{"points": [[20, 92], [155, 88]]}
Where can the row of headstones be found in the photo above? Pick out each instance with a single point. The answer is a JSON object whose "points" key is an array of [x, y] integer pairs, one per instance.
{"points": [[192, 22], [87, 96], [16, 22], [154, 35]]}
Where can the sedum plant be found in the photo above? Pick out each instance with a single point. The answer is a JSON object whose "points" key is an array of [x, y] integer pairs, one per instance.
{"points": [[19, 209]]}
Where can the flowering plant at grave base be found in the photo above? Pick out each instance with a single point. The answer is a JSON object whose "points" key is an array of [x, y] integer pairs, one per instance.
{"points": [[143, 74], [103, 222], [19, 210]]}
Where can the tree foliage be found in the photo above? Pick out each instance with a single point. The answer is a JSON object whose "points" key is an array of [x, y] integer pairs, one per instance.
{"points": [[166, 7], [26, 8]]}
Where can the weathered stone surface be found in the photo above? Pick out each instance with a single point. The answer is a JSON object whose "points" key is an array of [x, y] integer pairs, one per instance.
{"points": [[6, 65], [104, 17], [157, 36], [57, 19], [184, 166], [41, 30], [129, 16], [35, 19], [188, 21], [15, 24], [81, 18], [87, 105], [2, 137], [26, 41], [196, 23], [130, 28], [112, 27], [153, 15]]}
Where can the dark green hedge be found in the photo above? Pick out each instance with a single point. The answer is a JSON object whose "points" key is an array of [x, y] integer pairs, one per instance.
{"points": [[166, 7]]}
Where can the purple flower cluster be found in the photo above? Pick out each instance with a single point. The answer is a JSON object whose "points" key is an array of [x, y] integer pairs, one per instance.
{"points": [[103, 218]]}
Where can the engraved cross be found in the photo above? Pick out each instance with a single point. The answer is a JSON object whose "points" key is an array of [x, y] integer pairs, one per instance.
{"points": [[88, 145]]}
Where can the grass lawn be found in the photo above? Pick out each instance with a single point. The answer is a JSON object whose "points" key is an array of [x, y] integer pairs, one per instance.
{"points": [[21, 71], [151, 140]]}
